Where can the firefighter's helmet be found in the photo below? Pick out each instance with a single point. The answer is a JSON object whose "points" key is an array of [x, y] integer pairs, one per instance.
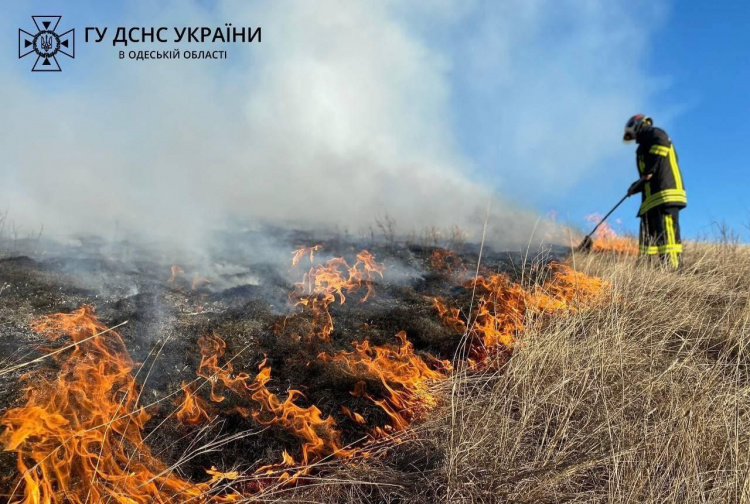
{"points": [[635, 125]]}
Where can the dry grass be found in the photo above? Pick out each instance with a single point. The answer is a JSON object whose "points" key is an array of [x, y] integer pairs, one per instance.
{"points": [[646, 399]]}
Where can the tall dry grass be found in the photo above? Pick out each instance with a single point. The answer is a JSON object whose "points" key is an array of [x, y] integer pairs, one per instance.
{"points": [[644, 399]]}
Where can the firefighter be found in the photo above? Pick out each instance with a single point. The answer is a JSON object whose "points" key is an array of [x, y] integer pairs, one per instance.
{"points": [[662, 191]]}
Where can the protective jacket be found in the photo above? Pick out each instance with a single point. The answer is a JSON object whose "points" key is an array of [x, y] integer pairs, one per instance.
{"points": [[656, 156]]}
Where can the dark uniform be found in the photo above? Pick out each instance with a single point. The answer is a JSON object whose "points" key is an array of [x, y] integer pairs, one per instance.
{"points": [[663, 196]]}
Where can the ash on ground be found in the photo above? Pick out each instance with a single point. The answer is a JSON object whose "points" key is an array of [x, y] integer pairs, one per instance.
{"points": [[239, 289]]}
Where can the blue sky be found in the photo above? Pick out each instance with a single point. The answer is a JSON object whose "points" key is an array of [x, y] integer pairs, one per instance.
{"points": [[704, 51], [697, 56], [701, 50], [415, 107]]}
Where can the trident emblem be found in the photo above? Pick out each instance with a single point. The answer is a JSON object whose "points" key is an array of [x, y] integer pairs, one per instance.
{"points": [[46, 43]]}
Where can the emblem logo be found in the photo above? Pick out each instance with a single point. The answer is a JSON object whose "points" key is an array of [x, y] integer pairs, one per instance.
{"points": [[46, 43]]}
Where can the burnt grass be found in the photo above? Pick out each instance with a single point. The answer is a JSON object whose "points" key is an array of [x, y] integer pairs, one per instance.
{"points": [[247, 297]]}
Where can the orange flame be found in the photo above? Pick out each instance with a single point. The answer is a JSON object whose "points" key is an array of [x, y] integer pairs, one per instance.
{"points": [[78, 436], [504, 307], [302, 252], [319, 435], [405, 376], [572, 289], [287, 462], [447, 261], [607, 240], [193, 408], [321, 286], [199, 281], [353, 416], [217, 476], [329, 280], [176, 271]]}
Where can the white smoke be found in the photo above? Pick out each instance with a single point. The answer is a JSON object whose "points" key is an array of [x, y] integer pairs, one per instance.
{"points": [[345, 112]]}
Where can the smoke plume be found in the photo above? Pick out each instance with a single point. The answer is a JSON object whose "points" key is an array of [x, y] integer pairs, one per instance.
{"points": [[345, 112]]}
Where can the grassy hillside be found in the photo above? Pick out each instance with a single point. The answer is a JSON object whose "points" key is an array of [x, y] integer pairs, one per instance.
{"points": [[643, 399]]}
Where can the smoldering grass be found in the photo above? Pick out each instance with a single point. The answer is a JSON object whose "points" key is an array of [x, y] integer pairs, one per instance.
{"points": [[645, 398]]}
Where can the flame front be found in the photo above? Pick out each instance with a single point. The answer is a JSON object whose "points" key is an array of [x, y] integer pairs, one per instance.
{"points": [[78, 437], [405, 376], [607, 240], [504, 307], [323, 284], [319, 435]]}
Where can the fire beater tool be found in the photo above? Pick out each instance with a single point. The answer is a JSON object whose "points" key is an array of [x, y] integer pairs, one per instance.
{"points": [[588, 242]]}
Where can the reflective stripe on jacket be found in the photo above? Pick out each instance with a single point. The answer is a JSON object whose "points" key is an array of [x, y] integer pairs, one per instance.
{"points": [[656, 156]]}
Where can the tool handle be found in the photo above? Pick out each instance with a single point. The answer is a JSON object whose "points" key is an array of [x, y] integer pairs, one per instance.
{"points": [[608, 214]]}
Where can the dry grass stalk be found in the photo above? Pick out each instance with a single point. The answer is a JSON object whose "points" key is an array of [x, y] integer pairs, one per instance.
{"points": [[646, 399]]}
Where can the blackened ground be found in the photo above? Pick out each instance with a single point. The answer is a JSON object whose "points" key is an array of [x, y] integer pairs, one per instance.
{"points": [[248, 296]]}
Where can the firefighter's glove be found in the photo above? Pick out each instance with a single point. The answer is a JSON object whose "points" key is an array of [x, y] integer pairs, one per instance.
{"points": [[635, 187]]}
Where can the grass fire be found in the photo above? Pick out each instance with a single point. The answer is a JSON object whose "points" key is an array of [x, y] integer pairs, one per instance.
{"points": [[346, 252], [393, 372]]}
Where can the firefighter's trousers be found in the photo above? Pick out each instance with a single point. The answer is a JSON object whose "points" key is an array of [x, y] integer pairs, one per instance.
{"points": [[660, 235]]}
